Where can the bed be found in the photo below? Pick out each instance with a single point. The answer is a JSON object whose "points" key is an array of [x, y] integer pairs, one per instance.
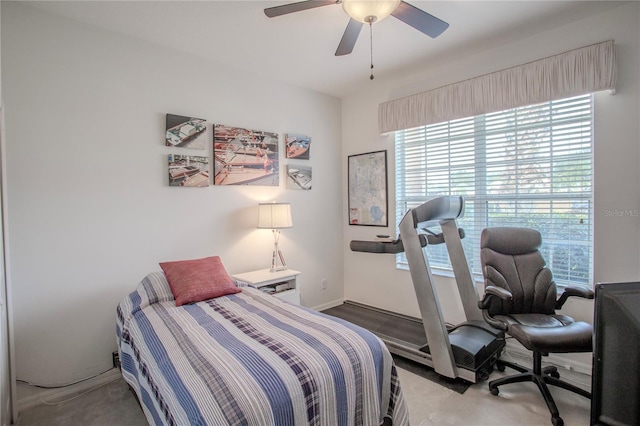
{"points": [[249, 358]]}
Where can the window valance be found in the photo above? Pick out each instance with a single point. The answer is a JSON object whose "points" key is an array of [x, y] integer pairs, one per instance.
{"points": [[576, 72]]}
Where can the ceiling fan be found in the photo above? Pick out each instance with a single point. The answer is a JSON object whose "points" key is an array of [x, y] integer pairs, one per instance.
{"points": [[367, 12]]}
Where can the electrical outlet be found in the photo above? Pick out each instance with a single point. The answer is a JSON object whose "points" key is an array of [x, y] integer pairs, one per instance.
{"points": [[323, 284], [115, 356]]}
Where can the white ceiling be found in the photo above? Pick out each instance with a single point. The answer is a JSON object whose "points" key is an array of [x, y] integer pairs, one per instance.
{"points": [[299, 48]]}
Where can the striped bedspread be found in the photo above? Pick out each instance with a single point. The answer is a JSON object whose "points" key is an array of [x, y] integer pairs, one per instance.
{"points": [[251, 359]]}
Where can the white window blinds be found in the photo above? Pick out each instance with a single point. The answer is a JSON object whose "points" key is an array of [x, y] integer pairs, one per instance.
{"points": [[528, 166]]}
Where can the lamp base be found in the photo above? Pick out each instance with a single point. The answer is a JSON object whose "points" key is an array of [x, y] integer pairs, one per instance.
{"points": [[277, 260]]}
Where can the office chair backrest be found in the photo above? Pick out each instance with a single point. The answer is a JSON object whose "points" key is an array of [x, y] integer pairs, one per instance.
{"points": [[510, 259]]}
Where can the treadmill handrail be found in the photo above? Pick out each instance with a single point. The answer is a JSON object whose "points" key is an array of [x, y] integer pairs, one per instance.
{"points": [[391, 247], [432, 319], [442, 211], [437, 209]]}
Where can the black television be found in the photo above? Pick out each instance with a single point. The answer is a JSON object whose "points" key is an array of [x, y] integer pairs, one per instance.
{"points": [[615, 380]]}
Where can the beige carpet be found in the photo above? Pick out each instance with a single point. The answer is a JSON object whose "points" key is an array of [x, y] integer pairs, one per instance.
{"points": [[429, 404], [517, 404], [109, 405]]}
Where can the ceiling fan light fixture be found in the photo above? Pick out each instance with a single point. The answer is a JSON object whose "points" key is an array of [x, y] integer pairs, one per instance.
{"points": [[369, 11]]}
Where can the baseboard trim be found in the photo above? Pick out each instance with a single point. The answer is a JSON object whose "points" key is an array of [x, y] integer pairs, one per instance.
{"points": [[40, 396], [328, 305]]}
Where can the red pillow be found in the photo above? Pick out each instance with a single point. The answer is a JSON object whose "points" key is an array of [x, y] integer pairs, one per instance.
{"points": [[198, 280]]}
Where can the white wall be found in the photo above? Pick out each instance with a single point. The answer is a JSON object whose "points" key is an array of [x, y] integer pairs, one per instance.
{"points": [[5, 368], [371, 279], [90, 210], [7, 384]]}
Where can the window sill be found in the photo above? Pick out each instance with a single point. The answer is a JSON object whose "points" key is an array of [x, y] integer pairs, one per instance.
{"points": [[479, 279], [441, 272]]}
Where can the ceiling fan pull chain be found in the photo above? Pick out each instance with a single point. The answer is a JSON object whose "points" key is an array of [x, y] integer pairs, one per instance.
{"points": [[371, 44]]}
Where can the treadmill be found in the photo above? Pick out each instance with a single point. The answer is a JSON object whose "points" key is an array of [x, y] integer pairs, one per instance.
{"points": [[468, 350]]}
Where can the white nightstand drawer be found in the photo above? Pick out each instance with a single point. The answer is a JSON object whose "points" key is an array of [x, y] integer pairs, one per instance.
{"points": [[281, 284], [291, 296]]}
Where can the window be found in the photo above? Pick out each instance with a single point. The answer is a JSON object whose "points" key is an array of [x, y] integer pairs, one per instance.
{"points": [[530, 166]]}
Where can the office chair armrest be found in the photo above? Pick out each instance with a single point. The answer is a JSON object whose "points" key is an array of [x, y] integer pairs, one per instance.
{"points": [[489, 293], [583, 292], [493, 291]]}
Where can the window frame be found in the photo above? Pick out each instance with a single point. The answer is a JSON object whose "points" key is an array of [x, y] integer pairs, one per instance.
{"points": [[481, 199]]}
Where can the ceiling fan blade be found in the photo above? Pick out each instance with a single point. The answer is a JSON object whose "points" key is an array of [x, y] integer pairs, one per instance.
{"points": [[420, 20], [349, 37], [272, 12]]}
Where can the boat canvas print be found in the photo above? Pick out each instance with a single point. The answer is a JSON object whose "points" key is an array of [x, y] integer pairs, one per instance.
{"points": [[188, 170], [186, 132], [298, 146], [298, 177], [245, 157]]}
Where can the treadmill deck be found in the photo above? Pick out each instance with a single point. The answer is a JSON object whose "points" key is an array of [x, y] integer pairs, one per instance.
{"points": [[405, 336], [385, 324]]}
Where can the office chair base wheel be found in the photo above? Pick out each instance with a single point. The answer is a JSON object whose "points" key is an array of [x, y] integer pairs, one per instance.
{"points": [[551, 371], [495, 391], [557, 421]]}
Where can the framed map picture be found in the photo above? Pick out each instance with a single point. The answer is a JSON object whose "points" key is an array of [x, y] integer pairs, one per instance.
{"points": [[368, 189]]}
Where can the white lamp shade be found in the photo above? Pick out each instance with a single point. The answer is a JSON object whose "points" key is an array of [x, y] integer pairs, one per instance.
{"points": [[360, 10], [274, 215]]}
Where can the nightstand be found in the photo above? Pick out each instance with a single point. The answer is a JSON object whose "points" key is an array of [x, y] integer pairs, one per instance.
{"points": [[281, 284]]}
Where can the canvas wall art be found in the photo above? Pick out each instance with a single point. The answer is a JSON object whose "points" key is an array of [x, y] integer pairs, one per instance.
{"points": [[188, 170], [298, 146], [245, 157], [298, 177], [186, 132]]}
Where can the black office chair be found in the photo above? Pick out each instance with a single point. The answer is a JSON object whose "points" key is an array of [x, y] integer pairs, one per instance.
{"points": [[520, 299]]}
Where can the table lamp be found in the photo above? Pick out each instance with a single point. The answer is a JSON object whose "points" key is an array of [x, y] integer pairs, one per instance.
{"points": [[275, 216]]}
